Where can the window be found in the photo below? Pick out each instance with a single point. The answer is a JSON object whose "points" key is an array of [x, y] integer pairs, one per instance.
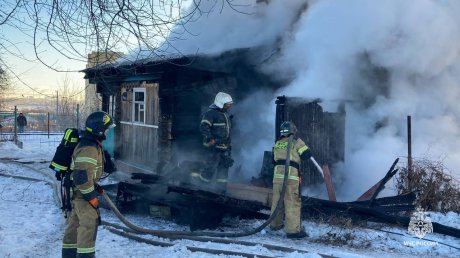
{"points": [[112, 106], [139, 105]]}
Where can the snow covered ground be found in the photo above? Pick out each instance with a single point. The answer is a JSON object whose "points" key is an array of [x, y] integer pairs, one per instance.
{"points": [[32, 225]]}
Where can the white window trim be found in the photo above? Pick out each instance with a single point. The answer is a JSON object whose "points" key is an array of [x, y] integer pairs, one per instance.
{"points": [[134, 104], [138, 124]]}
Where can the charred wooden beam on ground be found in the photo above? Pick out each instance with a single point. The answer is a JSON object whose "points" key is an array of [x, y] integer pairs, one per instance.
{"points": [[196, 204], [145, 178], [377, 212], [224, 200], [390, 205], [372, 193], [310, 206]]}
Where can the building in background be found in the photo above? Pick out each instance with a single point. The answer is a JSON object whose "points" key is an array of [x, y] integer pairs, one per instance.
{"points": [[92, 98]]}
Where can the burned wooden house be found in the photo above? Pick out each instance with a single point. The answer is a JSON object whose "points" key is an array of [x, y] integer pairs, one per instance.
{"points": [[157, 104]]}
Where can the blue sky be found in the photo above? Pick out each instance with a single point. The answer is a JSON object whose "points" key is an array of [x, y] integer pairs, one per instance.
{"points": [[31, 71]]}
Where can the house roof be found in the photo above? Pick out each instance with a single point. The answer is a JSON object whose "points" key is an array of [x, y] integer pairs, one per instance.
{"points": [[154, 67]]}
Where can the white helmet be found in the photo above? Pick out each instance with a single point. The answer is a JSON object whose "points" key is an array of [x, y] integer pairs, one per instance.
{"points": [[222, 99]]}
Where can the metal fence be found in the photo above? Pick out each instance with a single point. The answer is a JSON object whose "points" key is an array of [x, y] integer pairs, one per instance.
{"points": [[41, 139], [38, 122]]}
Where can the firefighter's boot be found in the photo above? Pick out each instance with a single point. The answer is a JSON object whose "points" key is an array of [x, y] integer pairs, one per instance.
{"points": [[300, 234], [69, 252], [277, 227], [86, 255]]}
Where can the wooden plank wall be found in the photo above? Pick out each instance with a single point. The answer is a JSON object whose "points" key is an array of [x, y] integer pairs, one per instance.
{"points": [[138, 143], [322, 131], [181, 108]]}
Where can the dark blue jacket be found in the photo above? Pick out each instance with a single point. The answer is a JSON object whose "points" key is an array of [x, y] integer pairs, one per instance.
{"points": [[215, 124]]}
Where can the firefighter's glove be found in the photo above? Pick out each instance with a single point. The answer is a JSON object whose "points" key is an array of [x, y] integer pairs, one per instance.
{"points": [[99, 189], [94, 202], [58, 175], [210, 143], [227, 161]]}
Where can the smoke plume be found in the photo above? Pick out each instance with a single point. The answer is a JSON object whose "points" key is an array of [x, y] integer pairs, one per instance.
{"points": [[385, 59], [388, 60]]}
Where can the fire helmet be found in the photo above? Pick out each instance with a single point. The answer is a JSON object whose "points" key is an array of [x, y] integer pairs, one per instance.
{"points": [[287, 128], [222, 99], [98, 122]]}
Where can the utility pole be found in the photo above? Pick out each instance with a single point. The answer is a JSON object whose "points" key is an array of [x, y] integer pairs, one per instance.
{"points": [[15, 131], [57, 103], [78, 115], [57, 107]]}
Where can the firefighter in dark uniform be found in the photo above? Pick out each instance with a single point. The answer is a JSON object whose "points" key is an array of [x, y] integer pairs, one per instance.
{"points": [[292, 202], [87, 168], [215, 128]]}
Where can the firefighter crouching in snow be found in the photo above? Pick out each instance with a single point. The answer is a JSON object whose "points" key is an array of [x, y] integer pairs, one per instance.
{"points": [[215, 127], [87, 165], [292, 202]]}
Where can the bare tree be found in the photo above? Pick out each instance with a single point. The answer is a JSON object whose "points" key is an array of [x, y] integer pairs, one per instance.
{"points": [[70, 96], [4, 84], [75, 28]]}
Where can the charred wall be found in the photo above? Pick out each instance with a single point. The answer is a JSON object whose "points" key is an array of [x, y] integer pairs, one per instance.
{"points": [[183, 98], [323, 132]]}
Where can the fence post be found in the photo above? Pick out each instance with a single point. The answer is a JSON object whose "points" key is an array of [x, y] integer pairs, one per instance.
{"points": [[15, 130], [78, 116], [409, 150], [48, 125]]}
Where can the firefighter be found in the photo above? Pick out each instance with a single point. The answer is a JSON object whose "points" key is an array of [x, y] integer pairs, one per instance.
{"points": [[215, 128], [87, 168], [292, 203]]}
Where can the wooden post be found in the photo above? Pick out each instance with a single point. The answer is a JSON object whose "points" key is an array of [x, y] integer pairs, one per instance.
{"points": [[15, 130], [409, 151], [78, 116], [48, 125], [329, 185]]}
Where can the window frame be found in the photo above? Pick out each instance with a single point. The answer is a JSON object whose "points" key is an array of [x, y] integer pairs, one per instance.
{"points": [[136, 90]]}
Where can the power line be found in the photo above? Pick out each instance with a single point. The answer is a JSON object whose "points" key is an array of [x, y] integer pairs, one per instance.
{"points": [[25, 84]]}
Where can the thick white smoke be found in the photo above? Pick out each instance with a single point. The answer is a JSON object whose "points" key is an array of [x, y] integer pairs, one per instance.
{"points": [[386, 59], [416, 43], [217, 26]]}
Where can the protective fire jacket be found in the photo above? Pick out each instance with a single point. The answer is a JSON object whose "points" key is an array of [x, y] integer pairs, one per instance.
{"points": [[88, 166], [215, 124], [299, 151]]}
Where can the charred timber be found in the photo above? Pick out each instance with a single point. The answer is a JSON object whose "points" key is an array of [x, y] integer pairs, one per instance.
{"points": [[218, 198], [361, 209]]}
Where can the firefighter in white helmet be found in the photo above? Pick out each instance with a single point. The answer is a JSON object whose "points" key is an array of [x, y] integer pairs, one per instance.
{"points": [[215, 127]]}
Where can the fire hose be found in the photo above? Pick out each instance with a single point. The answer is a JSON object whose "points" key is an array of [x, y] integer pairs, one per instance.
{"points": [[207, 233]]}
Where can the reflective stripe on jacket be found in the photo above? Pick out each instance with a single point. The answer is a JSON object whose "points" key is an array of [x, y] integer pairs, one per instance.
{"points": [[87, 166], [279, 154], [215, 124]]}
